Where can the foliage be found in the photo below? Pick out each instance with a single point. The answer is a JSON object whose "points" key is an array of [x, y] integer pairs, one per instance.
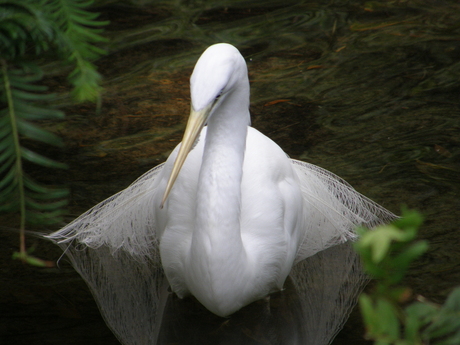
{"points": [[30, 29], [387, 253]]}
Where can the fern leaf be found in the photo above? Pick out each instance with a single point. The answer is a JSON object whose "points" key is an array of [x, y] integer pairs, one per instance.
{"points": [[22, 25], [19, 192], [35, 26], [36, 158], [36, 133], [77, 36]]}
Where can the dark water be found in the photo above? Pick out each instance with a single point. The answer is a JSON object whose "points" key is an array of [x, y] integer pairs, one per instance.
{"points": [[368, 90]]}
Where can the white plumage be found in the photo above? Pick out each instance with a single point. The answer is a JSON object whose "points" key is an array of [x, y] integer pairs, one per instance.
{"points": [[237, 213]]}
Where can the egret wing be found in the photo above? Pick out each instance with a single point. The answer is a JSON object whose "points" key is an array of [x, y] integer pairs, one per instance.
{"points": [[332, 210], [114, 248], [328, 276]]}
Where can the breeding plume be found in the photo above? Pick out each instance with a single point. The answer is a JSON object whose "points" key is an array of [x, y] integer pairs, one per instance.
{"points": [[228, 215]]}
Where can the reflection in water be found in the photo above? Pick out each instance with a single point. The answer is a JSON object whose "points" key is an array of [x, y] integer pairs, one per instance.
{"points": [[316, 302]]}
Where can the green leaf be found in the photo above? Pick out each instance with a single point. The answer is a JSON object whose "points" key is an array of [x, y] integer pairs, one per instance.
{"points": [[406, 257], [30, 112], [379, 240], [389, 324], [45, 218], [9, 178], [5, 128], [410, 221], [368, 313], [5, 137], [40, 160], [36, 133], [10, 206], [447, 322], [43, 192], [7, 193], [452, 303], [49, 206], [8, 152], [57, 193], [418, 315], [27, 96], [24, 82], [6, 163]]}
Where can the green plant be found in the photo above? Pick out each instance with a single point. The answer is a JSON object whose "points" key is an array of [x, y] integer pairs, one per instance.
{"points": [[387, 253], [29, 30]]}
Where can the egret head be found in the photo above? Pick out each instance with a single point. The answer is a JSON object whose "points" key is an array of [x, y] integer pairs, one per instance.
{"points": [[218, 70], [216, 73]]}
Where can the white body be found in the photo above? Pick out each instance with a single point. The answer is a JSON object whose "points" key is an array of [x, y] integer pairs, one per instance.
{"points": [[230, 255]]}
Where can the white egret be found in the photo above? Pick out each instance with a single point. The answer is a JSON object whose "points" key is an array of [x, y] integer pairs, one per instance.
{"points": [[228, 215]]}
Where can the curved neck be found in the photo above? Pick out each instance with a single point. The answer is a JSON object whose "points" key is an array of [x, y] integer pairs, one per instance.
{"points": [[217, 253], [219, 185]]}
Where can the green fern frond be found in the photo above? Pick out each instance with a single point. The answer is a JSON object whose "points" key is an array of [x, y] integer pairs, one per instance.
{"points": [[78, 35], [64, 25], [28, 28], [18, 191], [23, 27]]}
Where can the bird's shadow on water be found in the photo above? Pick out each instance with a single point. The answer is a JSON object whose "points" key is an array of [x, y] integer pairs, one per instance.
{"points": [[273, 320], [134, 300]]}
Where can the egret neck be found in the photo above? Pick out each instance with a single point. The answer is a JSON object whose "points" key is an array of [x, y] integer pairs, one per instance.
{"points": [[217, 251]]}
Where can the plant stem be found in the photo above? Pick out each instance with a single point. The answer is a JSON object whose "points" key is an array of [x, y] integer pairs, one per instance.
{"points": [[18, 161]]}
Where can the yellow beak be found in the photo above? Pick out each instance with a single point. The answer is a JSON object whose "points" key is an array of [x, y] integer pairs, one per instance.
{"points": [[195, 123]]}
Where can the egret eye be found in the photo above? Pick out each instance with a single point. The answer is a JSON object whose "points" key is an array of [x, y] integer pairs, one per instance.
{"points": [[220, 94]]}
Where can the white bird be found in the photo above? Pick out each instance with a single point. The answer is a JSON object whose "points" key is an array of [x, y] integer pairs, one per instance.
{"points": [[228, 214]]}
